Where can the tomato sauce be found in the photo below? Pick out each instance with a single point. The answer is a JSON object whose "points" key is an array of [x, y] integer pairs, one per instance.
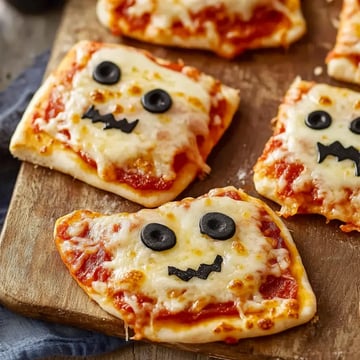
{"points": [[290, 172], [91, 268], [354, 58], [282, 287], [263, 22], [54, 106], [270, 229], [179, 161], [88, 159], [76, 66], [138, 180], [69, 74], [66, 133], [270, 146], [173, 66], [34, 125], [210, 311], [135, 23], [141, 181], [62, 231], [232, 195], [142, 302]]}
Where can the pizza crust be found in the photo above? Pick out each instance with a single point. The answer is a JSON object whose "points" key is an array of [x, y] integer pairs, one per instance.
{"points": [[341, 68], [60, 159]]}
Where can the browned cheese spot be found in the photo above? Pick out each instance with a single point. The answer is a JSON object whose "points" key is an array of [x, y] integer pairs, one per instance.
{"points": [[325, 100], [265, 324], [132, 280]]}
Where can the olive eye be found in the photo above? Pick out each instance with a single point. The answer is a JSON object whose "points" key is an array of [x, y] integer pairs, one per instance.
{"points": [[107, 73], [355, 126], [318, 120], [156, 101], [158, 237], [217, 225]]}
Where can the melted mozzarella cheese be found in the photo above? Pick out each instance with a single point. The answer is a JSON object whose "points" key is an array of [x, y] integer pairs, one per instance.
{"points": [[331, 175], [246, 256], [165, 13], [331, 178], [201, 29], [175, 130]]}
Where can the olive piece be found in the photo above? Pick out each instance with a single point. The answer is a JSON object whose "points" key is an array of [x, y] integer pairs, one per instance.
{"points": [[318, 120], [158, 237], [217, 225], [107, 73], [156, 101], [355, 126]]}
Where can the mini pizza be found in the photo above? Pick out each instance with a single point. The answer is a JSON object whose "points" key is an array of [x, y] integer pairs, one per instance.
{"points": [[311, 164], [226, 27], [219, 267], [343, 62], [124, 121]]}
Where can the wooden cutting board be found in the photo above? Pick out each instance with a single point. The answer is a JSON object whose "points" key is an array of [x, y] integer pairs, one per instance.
{"points": [[34, 282]]}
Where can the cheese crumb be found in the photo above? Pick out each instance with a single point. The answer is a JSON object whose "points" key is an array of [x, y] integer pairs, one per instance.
{"points": [[318, 70], [335, 22]]}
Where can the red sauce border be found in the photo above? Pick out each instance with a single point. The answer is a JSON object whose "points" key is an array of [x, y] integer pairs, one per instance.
{"points": [[264, 22]]}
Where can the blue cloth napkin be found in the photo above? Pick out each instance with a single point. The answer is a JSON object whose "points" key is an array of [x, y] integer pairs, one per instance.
{"points": [[24, 338]]}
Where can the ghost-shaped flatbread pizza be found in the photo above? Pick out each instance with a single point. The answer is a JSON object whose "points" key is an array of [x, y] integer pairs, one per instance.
{"points": [[311, 164], [124, 121], [219, 267]]}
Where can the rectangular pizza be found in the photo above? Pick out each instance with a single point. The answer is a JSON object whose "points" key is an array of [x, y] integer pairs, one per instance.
{"points": [[226, 27], [311, 163], [124, 121]]}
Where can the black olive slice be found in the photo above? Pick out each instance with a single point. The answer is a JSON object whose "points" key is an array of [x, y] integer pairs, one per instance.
{"points": [[107, 73], [217, 225], [156, 101], [158, 237], [355, 126], [318, 120]]}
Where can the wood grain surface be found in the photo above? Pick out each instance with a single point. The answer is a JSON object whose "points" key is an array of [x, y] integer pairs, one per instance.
{"points": [[34, 282]]}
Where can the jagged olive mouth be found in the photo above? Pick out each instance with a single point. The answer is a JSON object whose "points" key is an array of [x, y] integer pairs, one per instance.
{"points": [[109, 120], [340, 152], [214, 225], [203, 271]]}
